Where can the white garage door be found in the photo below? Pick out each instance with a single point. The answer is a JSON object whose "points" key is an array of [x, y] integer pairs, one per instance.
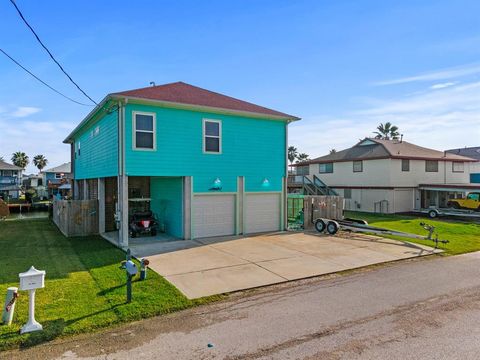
{"points": [[263, 213], [213, 215]]}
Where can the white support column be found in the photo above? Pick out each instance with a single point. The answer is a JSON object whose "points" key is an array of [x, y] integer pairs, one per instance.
{"points": [[187, 207], [123, 210], [101, 205], [240, 204], [284, 205]]}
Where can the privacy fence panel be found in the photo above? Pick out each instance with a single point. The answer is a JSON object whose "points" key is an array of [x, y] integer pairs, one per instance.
{"points": [[327, 207], [76, 217]]}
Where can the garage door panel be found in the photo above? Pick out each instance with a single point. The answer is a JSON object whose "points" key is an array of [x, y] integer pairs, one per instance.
{"points": [[214, 215], [262, 212]]}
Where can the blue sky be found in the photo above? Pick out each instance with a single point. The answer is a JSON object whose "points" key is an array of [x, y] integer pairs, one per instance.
{"points": [[343, 66]]}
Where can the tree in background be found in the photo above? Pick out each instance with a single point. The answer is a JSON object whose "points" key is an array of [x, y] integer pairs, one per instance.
{"points": [[1, 158], [302, 157], [387, 131], [20, 159], [40, 162], [333, 151], [292, 154]]}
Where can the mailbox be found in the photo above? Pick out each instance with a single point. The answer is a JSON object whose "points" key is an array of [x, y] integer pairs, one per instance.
{"points": [[131, 268], [32, 279]]}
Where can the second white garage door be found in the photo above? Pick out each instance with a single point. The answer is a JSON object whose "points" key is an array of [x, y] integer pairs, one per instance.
{"points": [[262, 212], [213, 215]]}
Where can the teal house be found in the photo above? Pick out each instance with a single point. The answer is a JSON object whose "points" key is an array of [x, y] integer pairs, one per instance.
{"points": [[204, 163]]}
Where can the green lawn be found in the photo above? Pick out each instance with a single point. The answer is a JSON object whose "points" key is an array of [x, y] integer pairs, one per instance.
{"points": [[463, 236], [84, 287]]}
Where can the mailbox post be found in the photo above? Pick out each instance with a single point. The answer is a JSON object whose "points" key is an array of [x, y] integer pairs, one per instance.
{"points": [[31, 280], [131, 270]]}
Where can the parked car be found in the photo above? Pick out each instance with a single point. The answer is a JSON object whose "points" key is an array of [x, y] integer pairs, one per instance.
{"points": [[143, 223], [471, 202]]}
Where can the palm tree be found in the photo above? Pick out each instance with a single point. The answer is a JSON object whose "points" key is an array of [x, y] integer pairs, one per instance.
{"points": [[302, 157], [292, 154], [387, 131], [20, 159], [333, 151], [40, 162], [1, 158]]}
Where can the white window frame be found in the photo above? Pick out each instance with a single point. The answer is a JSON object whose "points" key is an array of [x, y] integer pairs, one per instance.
{"points": [[458, 163], [358, 162], [58, 176], [134, 130], [219, 122]]}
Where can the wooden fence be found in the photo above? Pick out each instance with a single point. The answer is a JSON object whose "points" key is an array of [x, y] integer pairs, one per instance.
{"points": [[76, 217], [321, 206]]}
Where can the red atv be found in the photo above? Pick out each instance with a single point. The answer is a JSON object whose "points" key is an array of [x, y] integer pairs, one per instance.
{"points": [[143, 223]]}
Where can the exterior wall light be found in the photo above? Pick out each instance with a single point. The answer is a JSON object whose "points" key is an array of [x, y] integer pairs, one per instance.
{"points": [[216, 185], [265, 183]]}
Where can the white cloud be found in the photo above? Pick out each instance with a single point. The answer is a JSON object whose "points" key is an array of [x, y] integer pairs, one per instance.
{"points": [[442, 85], [440, 119], [24, 111], [443, 74]]}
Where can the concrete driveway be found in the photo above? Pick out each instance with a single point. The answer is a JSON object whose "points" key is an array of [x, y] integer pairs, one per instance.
{"points": [[219, 266]]}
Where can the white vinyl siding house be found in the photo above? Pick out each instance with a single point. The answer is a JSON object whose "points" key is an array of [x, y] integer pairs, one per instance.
{"points": [[390, 177]]}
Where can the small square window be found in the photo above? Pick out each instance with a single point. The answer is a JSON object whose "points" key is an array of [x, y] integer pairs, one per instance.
{"points": [[358, 166], [458, 166], [405, 165], [212, 136], [431, 166]]}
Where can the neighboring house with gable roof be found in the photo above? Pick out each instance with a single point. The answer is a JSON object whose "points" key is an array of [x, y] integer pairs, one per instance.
{"points": [[57, 179], [205, 163], [474, 153], [391, 176], [10, 180]]}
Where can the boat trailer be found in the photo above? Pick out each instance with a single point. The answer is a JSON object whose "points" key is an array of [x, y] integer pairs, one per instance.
{"points": [[331, 227]]}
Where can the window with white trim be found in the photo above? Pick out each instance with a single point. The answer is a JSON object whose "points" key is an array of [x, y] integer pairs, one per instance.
{"points": [[458, 166], [212, 136], [358, 166], [58, 176], [326, 168], [143, 131], [431, 166]]}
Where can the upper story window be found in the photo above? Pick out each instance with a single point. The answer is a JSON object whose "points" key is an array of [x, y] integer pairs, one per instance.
{"points": [[458, 166], [325, 168], [212, 136], [7, 173], [431, 166], [358, 166], [144, 131], [303, 170], [78, 148], [405, 165], [58, 176]]}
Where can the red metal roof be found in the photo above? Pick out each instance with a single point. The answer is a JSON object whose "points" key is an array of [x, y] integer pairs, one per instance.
{"points": [[182, 93]]}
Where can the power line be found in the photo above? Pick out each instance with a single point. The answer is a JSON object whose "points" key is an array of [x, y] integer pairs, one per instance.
{"points": [[49, 53], [43, 82]]}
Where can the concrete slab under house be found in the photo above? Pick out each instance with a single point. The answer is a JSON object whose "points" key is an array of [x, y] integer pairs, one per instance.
{"points": [[204, 164]]}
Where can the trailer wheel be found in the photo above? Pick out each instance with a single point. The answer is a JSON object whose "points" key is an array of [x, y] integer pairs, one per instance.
{"points": [[320, 225], [332, 227], [432, 214]]}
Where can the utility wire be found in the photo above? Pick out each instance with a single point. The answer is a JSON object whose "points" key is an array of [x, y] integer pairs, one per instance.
{"points": [[43, 82], [49, 53]]}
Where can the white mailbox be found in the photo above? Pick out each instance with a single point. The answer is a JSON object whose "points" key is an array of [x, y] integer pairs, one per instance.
{"points": [[32, 279]]}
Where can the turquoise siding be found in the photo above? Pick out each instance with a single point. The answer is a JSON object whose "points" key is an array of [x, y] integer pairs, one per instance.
{"points": [[98, 151], [166, 195], [253, 148]]}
